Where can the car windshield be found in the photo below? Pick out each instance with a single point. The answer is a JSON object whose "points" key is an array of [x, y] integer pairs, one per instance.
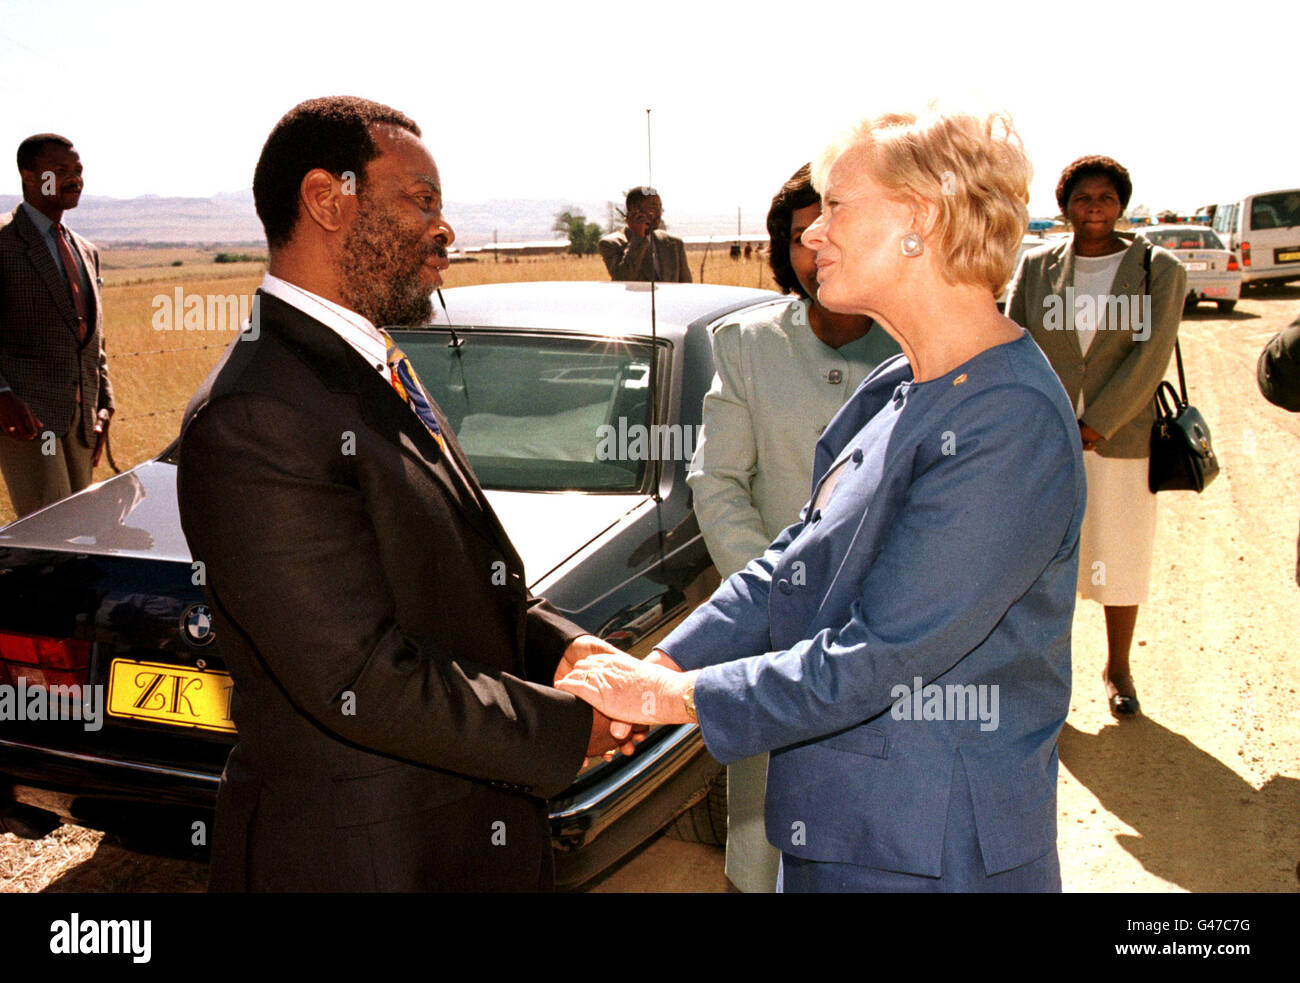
{"points": [[539, 412], [1185, 239]]}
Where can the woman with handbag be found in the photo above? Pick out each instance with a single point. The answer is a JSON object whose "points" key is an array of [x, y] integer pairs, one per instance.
{"points": [[1104, 307]]}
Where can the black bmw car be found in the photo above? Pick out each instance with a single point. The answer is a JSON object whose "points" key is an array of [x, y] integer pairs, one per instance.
{"points": [[578, 405]]}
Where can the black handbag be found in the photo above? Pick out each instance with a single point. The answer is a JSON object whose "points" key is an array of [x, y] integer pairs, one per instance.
{"points": [[1182, 457]]}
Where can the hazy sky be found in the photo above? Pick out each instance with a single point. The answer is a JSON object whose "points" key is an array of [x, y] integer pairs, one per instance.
{"points": [[548, 100]]}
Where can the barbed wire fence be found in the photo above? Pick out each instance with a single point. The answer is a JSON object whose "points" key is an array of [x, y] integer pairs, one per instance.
{"points": [[139, 417], [157, 351]]}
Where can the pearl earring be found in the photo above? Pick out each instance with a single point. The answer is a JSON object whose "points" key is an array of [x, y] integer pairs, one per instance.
{"points": [[912, 245]]}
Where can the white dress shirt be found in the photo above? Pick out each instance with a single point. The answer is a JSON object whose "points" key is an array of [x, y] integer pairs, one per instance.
{"points": [[364, 338]]}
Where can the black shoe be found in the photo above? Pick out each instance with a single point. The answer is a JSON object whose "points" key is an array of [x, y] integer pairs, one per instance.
{"points": [[1122, 706]]}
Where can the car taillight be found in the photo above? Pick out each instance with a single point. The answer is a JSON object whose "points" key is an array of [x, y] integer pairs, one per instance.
{"points": [[1232, 263], [1245, 254], [43, 661]]}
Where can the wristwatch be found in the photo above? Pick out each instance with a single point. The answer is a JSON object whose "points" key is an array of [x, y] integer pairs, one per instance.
{"points": [[688, 698]]}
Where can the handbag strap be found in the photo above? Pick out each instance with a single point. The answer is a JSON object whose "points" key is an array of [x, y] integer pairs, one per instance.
{"points": [[1164, 411], [1178, 351], [1182, 380]]}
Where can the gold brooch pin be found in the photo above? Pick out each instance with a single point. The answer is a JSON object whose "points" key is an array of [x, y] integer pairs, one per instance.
{"points": [[959, 380]]}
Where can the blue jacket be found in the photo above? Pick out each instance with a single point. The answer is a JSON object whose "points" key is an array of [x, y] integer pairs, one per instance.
{"points": [[939, 574]]}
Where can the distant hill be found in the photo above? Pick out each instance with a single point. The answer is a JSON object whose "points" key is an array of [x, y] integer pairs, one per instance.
{"points": [[219, 219], [230, 218]]}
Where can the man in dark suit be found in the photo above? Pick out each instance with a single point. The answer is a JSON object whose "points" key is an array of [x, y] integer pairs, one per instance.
{"points": [[55, 397], [398, 730]]}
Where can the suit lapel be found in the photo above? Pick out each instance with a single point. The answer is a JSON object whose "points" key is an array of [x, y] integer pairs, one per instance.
{"points": [[469, 481], [1129, 278], [1062, 345], [1058, 268], [39, 255], [342, 370]]}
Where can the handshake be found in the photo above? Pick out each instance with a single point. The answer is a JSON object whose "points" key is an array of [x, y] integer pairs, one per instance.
{"points": [[627, 695]]}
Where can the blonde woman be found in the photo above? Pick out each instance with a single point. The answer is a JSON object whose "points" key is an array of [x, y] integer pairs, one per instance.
{"points": [[904, 649]]}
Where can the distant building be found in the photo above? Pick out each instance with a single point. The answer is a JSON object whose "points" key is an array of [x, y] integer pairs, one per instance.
{"points": [[540, 247]]}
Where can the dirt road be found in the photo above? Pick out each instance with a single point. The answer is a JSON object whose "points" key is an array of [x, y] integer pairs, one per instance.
{"points": [[1201, 794]]}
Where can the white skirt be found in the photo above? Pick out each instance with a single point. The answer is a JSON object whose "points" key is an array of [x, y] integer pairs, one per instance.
{"points": [[1119, 531]]}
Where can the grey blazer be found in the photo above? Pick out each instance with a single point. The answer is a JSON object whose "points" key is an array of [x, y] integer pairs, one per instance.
{"points": [[41, 359], [1131, 350]]}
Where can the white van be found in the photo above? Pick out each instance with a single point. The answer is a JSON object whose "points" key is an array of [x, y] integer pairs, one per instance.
{"points": [[1264, 230]]}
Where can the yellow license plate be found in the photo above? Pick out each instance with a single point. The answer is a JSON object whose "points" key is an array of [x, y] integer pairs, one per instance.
{"points": [[1288, 257], [170, 694]]}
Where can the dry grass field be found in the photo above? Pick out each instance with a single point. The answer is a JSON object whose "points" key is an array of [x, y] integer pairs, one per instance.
{"points": [[1200, 794], [154, 372]]}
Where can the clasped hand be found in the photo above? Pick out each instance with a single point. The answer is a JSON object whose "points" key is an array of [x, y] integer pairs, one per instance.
{"points": [[626, 690]]}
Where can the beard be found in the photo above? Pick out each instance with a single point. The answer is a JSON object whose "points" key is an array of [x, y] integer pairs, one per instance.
{"points": [[379, 269]]}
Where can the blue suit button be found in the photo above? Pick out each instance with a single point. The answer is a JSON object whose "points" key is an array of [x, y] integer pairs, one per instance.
{"points": [[857, 455], [784, 587]]}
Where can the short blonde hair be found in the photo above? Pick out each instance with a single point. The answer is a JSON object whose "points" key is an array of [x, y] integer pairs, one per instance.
{"points": [[972, 167]]}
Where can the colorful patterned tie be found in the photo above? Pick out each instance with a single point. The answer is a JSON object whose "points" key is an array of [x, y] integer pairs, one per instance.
{"points": [[408, 386], [72, 272]]}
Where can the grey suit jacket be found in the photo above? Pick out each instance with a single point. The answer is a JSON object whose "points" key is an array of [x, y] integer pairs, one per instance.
{"points": [[1131, 350], [41, 359]]}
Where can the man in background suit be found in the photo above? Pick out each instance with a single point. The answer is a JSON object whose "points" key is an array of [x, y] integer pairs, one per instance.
{"points": [[643, 251], [55, 397], [398, 730]]}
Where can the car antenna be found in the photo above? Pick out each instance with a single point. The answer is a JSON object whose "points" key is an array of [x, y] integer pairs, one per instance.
{"points": [[654, 334], [455, 344]]}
